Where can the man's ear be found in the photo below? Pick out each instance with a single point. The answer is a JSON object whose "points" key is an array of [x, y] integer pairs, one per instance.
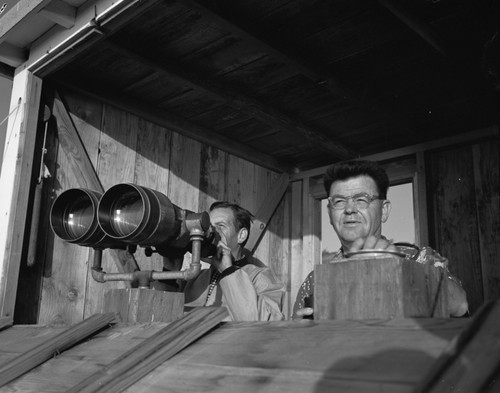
{"points": [[242, 235], [386, 209]]}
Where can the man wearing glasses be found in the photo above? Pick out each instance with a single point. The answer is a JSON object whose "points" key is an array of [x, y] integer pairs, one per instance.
{"points": [[357, 206]]}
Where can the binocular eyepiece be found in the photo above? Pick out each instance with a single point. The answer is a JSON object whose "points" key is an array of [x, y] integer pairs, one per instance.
{"points": [[128, 214]]}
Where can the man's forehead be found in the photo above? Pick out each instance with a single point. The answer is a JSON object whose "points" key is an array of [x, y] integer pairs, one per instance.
{"points": [[222, 214], [354, 185]]}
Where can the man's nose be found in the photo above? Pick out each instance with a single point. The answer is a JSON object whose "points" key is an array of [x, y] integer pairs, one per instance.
{"points": [[350, 206]]}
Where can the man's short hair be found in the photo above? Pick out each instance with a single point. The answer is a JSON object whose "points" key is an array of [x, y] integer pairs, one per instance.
{"points": [[349, 169], [242, 217]]}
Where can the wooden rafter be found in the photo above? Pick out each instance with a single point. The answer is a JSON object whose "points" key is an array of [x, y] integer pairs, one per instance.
{"points": [[312, 70], [467, 137], [58, 47], [60, 12], [418, 26], [242, 103], [172, 122]]}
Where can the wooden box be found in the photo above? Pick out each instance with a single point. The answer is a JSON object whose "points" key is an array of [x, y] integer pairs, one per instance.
{"points": [[379, 287], [144, 305]]}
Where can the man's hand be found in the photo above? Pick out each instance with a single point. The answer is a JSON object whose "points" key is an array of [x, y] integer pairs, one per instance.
{"points": [[372, 243], [223, 257], [304, 312]]}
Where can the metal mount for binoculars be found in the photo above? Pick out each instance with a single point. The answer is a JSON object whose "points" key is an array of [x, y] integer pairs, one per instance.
{"points": [[126, 216]]}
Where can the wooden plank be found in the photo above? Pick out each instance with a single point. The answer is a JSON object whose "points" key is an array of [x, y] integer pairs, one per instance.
{"points": [[183, 186], [456, 234], [75, 364], [152, 164], [5, 322], [278, 259], [60, 12], [16, 14], [307, 356], [266, 211], [419, 26], [178, 124], [153, 156], [73, 146], [241, 183], [138, 305], [346, 356], [487, 178], [12, 55], [117, 161], [484, 133], [263, 183], [65, 293], [308, 214], [184, 178], [470, 363], [213, 176], [297, 272], [243, 103], [58, 43], [316, 229], [15, 182], [420, 202], [286, 271], [60, 343], [152, 352], [319, 74]]}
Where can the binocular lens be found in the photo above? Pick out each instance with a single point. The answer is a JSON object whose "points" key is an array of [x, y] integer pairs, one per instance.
{"points": [[78, 217], [126, 213]]}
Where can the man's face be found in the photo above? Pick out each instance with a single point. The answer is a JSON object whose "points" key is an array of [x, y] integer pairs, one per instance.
{"points": [[224, 222], [352, 223]]}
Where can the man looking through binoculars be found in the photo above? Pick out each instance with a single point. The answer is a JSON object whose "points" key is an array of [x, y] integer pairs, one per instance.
{"points": [[250, 292]]}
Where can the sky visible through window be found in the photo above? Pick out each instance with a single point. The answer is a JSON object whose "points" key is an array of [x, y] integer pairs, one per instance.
{"points": [[400, 226]]}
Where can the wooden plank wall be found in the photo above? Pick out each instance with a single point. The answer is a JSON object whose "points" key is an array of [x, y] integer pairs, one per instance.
{"points": [[463, 189], [126, 148]]}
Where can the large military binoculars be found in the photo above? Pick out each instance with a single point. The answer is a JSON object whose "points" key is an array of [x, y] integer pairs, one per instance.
{"points": [[128, 214]]}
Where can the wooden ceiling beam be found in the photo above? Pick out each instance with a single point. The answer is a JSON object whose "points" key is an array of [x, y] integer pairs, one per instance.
{"points": [[60, 12], [240, 102], [417, 25], [94, 21], [168, 120], [6, 71], [467, 137], [12, 55], [314, 71]]}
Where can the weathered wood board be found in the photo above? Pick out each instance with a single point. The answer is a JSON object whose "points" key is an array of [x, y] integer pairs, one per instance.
{"points": [[287, 356], [137, 305], [379, 287], [466, 216]]}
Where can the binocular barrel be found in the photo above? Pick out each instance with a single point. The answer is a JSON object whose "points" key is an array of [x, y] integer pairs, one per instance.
{"points": [[138, 215], [124, 214], [73, 217]]}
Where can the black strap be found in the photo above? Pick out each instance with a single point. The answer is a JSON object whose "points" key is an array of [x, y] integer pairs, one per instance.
{"points": [[228, 271]]}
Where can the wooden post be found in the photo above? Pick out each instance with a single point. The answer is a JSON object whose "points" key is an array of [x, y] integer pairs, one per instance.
{"points": [[144, 305], [379, 288], [15, 182]]}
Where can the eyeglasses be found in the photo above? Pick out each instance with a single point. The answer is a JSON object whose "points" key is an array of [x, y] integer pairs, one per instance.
{"points": [[361, 200]]}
